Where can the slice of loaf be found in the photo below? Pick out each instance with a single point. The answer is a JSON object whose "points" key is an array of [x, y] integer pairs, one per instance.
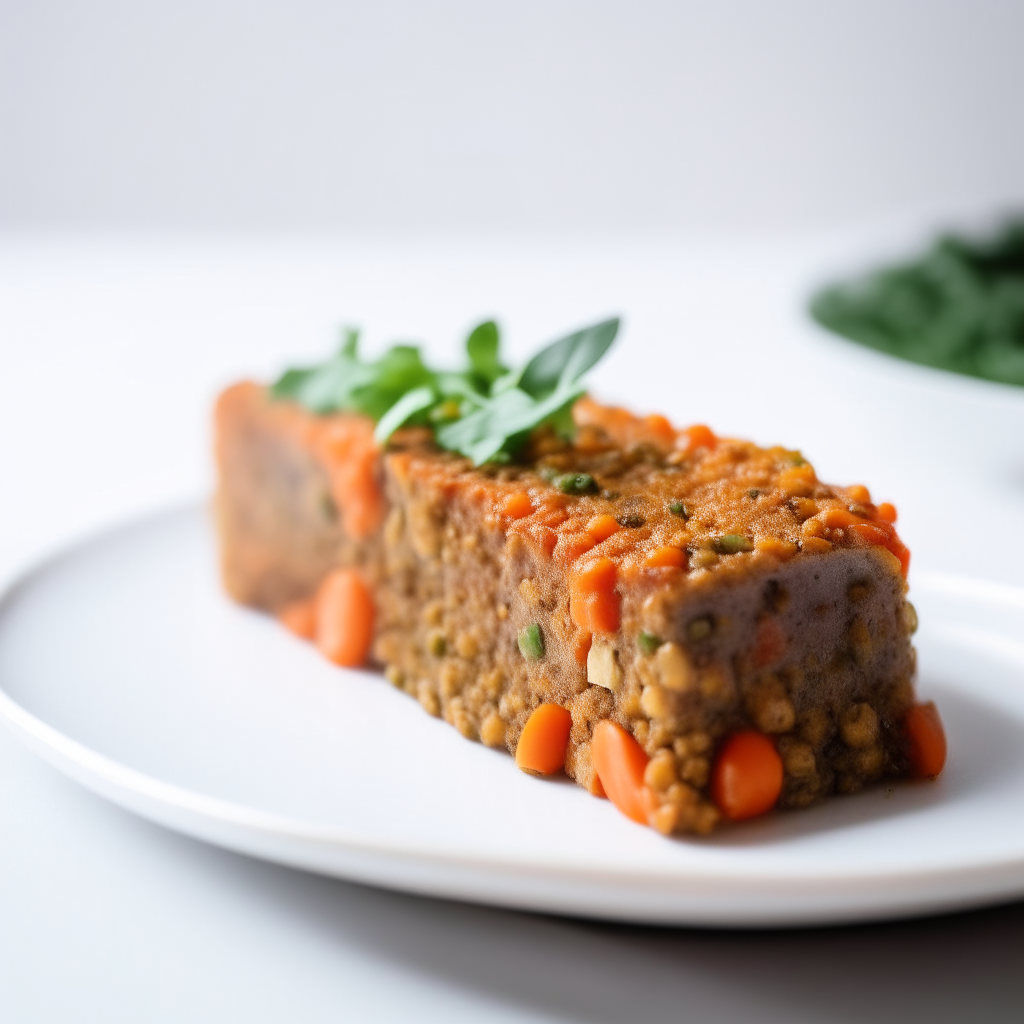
{"points": [[686, 587]]}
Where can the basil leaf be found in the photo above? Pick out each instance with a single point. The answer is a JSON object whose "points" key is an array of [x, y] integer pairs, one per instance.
{"points": [[568, 358], [485, 412], [403, 410], [289, 383], [482, 348], [483, 429], [331, 386], [504, 422]]}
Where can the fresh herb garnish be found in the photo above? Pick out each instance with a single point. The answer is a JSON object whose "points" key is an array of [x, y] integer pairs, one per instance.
{"points": [[484, 412]]}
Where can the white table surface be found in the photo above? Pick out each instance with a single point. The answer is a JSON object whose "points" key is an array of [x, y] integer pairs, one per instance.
{"points": [[111, 353]]}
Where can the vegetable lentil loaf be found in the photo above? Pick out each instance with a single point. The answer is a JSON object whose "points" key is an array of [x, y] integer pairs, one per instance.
{"points": [[684, 586]]}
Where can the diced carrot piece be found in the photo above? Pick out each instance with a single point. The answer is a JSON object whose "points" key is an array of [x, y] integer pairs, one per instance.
{"points": [[344, 618], [581, 647], [769, 643], [602, 527], [746, 779], [593, 602], [901, 551], [571, 545], [666, 557], [926, 740], [883, 535], [886, 512], [347, 447], [660, 427], [700, 436], [542, 743], [620, 763], [517, 505], [859, 493], [299, 618], [838, 518], [872, 533]]}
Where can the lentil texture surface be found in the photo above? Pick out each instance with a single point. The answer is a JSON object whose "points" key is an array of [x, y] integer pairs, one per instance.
{"points": [[685, 587]]}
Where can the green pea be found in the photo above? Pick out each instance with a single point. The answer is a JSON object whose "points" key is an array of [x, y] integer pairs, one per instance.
{"points": [[577, 483], [677, 508], [732, 544], [531, 642], [648, 642]]}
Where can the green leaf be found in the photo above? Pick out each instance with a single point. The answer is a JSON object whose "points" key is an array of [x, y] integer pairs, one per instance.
{"points": [[289, 384], [482, 348], [400, 413], [485, 412], [351, 342], [567, 359]]}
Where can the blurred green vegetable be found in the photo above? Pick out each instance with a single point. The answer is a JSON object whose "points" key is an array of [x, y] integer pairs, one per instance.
{"points": [[960, 306]]}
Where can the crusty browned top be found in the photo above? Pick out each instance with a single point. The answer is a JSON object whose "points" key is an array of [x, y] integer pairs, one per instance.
{"points": [[662, 501]]}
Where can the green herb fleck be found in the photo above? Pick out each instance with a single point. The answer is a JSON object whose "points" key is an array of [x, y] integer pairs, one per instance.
{"points": [[732, 544], [482, 348], [753, 494], [577, 483], [531, 642], [648, 642], [437, 644], [677, 508]]}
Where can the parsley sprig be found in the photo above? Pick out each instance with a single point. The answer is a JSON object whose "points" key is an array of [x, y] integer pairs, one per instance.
{"points": [[484, 412]]}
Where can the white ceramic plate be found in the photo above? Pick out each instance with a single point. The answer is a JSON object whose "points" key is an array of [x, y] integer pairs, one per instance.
{"points": [[122, 663]]}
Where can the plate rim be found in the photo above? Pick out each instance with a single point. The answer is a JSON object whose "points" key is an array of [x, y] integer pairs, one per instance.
{"points": [[145, 795]]}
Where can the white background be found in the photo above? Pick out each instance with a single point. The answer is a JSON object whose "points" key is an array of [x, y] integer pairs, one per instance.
{"points": [[454, 115], [191, 192]]}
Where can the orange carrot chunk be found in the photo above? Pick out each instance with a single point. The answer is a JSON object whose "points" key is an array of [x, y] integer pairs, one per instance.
{"points": [[665, 558], [542, 743], [660, 427], [299, 618], [620, 763], [344, 618], [593, 602], [517, 505], [602, 527], [886, 512], [926, 740], [700, 436], [747, 776]]}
